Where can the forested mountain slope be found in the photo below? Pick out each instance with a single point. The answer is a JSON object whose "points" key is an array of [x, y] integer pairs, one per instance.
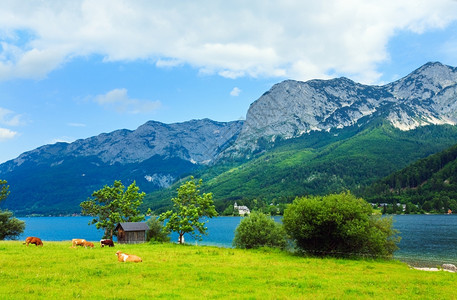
{"points": [[320, 163], [430, 183]]}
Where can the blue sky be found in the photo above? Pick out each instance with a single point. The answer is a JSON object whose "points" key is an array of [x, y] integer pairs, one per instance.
{"points": [[75, 69]]}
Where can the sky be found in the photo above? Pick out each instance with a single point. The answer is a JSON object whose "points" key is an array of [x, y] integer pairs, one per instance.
{"points": [[74, 69]]}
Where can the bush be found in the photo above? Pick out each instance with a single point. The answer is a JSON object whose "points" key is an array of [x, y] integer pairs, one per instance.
{"points": [[339, 225], [157, 232], [10, 227], [258, 230]]}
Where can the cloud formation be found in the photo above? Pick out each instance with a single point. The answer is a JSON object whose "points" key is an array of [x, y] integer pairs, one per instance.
{"points": [[6, 134], [76, 124], [235, 92], [297, 39], [118, 100], [10, 118]]}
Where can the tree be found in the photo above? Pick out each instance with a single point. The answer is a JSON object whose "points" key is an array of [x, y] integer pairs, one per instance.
{"points": [[339, 225], [10, 227], [258, 230], [188, 207], [4, 190], [157, 232], [112, 205]]}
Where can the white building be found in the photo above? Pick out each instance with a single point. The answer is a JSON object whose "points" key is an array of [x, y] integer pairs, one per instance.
{"points": [[242, 210]]}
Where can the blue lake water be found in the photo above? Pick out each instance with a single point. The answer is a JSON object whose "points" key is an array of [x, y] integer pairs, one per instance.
{"points": [[426, 239]]}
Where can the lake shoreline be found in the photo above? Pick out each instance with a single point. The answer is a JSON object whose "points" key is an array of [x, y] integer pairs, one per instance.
{"points": [[427, 240]]}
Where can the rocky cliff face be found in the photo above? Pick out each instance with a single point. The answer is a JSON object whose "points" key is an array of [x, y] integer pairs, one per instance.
{"points": [[292, 108]]}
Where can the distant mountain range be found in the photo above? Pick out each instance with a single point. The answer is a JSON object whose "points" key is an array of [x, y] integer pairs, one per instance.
{"points": [[317, 136], [56, 178]]}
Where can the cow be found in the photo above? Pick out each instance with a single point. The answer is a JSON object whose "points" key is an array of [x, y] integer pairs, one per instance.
{"points": [[106, 242], [123, 257], [88, 244], [77, 242], [33, 240]]}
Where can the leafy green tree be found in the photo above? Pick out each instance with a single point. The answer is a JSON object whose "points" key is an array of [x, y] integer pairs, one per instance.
{"points": [[258, 230], [157, 232], [453, 205], [4, 190], [188, 208], [114, 204], [229, 211], [339, 225], [427, 206], [410, 208], [10, 227]]}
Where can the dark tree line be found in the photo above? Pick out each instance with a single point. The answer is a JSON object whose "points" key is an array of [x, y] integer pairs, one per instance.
{"points": [[429, 184]]}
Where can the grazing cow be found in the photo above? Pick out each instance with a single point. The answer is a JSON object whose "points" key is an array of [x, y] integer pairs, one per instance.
{"points": [[88, 244], [33, 240], [77, 242], [106, 242], [123, 257]]}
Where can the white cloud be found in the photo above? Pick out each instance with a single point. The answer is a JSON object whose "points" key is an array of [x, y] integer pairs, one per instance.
{"points": [[301, 39], [6, 134], [118, 100], [235, 92], [10, 118]]}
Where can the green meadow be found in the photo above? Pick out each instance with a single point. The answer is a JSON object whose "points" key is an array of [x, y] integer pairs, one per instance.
{"points": [[171, 271]]}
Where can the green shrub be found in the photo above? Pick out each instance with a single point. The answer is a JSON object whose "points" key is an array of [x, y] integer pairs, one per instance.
{"points": [[259, 230], [156, 231], [339, 225]]}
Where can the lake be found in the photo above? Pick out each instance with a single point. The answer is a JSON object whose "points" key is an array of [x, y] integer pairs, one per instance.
{"points": [[426, 239]]}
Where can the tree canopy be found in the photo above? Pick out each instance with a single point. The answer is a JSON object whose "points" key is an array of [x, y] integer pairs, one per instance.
{"points": [[259, 230], [10, 227], [188, 208], [4, 190], [112, 205], [339, 225], [157, 232]]}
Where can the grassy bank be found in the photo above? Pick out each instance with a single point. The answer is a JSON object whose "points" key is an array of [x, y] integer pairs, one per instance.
{"points": [[198, 272]]}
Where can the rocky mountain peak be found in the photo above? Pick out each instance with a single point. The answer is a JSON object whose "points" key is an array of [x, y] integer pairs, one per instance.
{"points": [[293, 108], [425, 82]]}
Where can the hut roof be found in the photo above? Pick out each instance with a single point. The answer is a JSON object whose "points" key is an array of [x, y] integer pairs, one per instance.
{"points": [[133, 226]]}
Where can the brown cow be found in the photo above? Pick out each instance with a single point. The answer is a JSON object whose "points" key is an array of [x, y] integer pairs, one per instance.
{"points": [[123, 257], [106, 242], [77, 242], [88, 244], [33, 240]]}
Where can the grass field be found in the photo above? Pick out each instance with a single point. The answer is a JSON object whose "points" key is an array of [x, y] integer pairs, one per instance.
{"points": [[170, 271]]}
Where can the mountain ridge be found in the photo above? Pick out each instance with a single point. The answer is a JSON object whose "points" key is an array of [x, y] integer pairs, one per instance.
{"points": [[292, 108]]}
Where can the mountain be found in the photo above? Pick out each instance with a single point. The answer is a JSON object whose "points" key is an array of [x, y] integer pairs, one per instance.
{"points": [[56, 178], [298, 138], [430, 183], [319, 163], [291, 109], [325, 136]]}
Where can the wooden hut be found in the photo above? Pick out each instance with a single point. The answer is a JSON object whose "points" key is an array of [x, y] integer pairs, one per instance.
{"points": [[131, 232]]}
